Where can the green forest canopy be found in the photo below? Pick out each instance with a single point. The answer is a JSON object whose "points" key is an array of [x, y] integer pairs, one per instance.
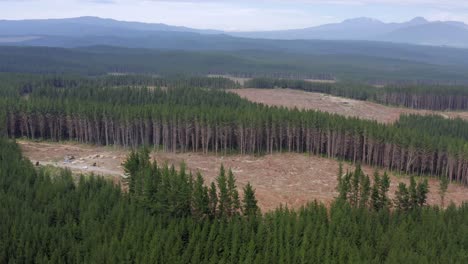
{"points": [[101, 60], [48, 218]]}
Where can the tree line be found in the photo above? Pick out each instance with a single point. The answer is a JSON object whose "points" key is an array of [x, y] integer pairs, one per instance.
{"points": [[50, 217], [355, 189]]}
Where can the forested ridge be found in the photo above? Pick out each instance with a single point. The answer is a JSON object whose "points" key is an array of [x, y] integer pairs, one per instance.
{"points": [[171, 216], [422, 96], [210, 120], [245, 62]]}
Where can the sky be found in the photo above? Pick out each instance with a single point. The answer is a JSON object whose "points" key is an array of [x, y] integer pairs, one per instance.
{"points": [[238, 15]]}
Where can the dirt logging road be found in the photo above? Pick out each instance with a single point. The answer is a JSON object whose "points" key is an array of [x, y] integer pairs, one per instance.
{"points": [[289, 179]]}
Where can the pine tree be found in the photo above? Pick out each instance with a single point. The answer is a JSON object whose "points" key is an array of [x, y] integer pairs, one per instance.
{"points": [[200, 199], [339, 177], [213, 203], [355, 186], [365, 190], [402, 199], [376, 201], [379, 192], [250, 207], [422, 191], [233, 193], [345, 187], [384, 187], [443, 186], [413, 193], [224, 202]]}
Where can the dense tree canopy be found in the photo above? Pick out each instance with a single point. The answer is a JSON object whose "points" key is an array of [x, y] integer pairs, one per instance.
{"points": [[51, 218]]}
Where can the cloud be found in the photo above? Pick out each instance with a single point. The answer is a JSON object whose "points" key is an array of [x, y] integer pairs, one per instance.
{"points": [[436, 4], [102, 1]]}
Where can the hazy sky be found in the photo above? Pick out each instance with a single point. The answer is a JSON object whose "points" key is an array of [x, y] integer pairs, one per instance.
{"points": [[238, 14]]}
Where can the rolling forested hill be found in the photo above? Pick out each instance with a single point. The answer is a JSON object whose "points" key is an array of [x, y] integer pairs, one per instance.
{"points": [[100, 60]]}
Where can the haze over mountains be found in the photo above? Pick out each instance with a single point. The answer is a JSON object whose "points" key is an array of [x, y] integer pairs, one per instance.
{"points": [[416, 31], [87, 31]]}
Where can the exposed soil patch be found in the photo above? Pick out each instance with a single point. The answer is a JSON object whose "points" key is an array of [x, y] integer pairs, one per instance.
{"points": [[292, 179], [333, 104]]}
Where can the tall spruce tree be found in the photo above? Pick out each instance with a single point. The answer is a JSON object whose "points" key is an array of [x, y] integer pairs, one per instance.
{"points": [[443, 186], [224, 198], [250, 207], [200, 199], [213, 204], [233, 193], [402, 199]]}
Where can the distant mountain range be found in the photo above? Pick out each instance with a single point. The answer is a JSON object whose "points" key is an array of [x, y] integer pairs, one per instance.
{"points": [[87, 26], [416, 31], [88, 31]]}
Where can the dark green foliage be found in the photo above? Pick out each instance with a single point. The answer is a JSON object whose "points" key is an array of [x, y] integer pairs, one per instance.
{"points": [[376, 202], [384, 187], [224, 199], [379, 192], [339, 176], [435, 125], [213, 200], [422, 191], [402, 198], [370, 61], [412, 197], [354, 187], [233, 194], [250, 207], [364, 191], [443, 186], [52, 219], [200, 199]]}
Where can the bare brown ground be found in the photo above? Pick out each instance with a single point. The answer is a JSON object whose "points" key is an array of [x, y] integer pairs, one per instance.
{"points": [[288, 179], [333, 104]]}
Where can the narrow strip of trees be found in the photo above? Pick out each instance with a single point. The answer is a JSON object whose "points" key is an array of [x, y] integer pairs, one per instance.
{"points": [[355, 188], [432, 97]]}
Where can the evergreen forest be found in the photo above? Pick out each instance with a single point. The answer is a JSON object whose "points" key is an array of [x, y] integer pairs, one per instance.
{"points": [[167, 214], [183, 116], [172, 216]]}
